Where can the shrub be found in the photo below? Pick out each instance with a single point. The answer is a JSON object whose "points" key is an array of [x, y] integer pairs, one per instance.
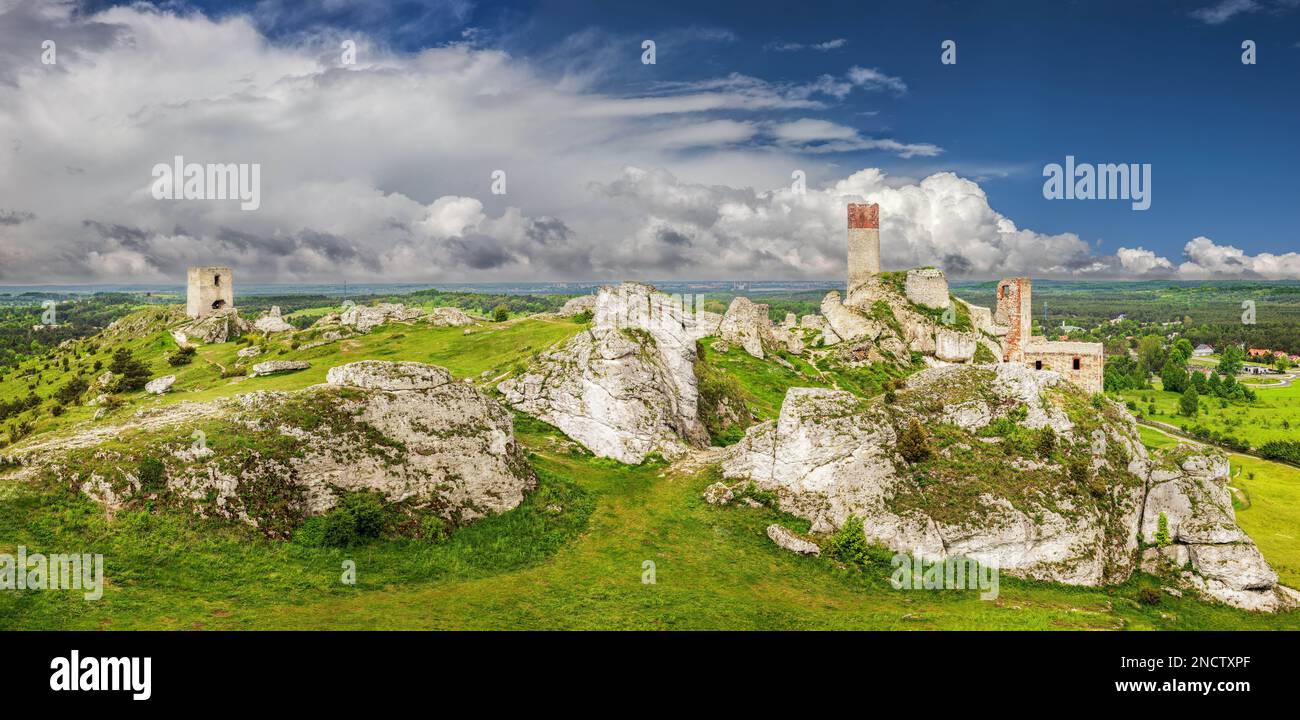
{"points": [[358, 517], [1189, 404], [152, 475], [1162, 531], [1046, 441], [72, 391], [913, 442], [184, 355], [500, 313], [849, 545], [433, 528], [134, 374], [583, 317], [338, 528], [1149, 596], [983, 356]]}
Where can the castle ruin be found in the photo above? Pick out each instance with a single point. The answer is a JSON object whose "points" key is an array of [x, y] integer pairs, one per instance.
{"points": [[209, 290], [1010, 325]]}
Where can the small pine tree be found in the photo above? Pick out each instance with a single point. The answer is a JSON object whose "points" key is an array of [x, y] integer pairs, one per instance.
{"points": [[913, 443], [1189, 403], [135, 374], [1162, 531], [1046, 441]]}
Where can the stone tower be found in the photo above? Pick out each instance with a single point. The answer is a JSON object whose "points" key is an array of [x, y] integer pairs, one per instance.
{"points": [[864, 244], [1015, 311], [209, 289]]}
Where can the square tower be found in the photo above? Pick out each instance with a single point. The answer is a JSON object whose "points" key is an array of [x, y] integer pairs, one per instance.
{"points": [[864, 244], [1015, 311], [209, 289]]}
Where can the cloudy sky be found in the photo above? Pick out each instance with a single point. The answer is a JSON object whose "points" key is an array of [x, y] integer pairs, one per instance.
{"points": [[614, 169]]}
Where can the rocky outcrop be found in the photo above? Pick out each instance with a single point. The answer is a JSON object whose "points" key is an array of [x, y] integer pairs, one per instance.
{"points": [[982, 483], [927, 287], [219, 327], [448, 317], [953, 346], [364, 318], [272, 367], [746, 324], [428, 443], [577, 306], [272, 322], [624, 388]]}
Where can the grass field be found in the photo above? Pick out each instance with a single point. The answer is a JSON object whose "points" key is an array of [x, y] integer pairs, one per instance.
{"points": [[583, 566], [1274, 416]]}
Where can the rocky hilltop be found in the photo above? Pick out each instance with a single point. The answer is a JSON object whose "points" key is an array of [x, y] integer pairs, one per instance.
{"points": [[270, 459], [1009, 466]]}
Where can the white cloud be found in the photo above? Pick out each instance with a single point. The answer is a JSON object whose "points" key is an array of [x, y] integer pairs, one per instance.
{"points": [[1224, 10], [834, 44], [1141, 261]]}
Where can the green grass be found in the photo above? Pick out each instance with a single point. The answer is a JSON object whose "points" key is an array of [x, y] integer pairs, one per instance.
{"points": [[1273, 517], [529, 568], [1257, 422]]}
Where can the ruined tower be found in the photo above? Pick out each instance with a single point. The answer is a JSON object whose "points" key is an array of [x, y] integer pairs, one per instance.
{"points": [[1015, 312], [209, 289], [864, 244]]}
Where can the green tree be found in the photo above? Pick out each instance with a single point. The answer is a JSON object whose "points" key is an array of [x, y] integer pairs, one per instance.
{"points": [[71, 392], [1231, 361], [1174, 376], [913, 442], [1151, 352], [500, 313], [1189, 403], [135, 374]]}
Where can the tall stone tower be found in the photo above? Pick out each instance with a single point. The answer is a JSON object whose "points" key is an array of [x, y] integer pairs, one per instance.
{"points": [[864, 244], [209, 289], [1015, 311]]}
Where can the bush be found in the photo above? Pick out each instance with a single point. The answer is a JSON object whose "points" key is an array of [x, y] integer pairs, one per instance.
{"points": [[358, 517], [183, 356], [134, 374], [983, 356], [583, 317], [72, 391], [152, 475], [1046, 441], [500, 313], [849, 545], [914, 443], [1149, 596], [433, 528], [338, 529], [1162, 531]]}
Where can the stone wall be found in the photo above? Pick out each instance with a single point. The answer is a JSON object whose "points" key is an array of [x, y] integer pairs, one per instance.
{"points": [[208, 290], [864, 244], [927, 287], [1015, 312], [1063, 357]]}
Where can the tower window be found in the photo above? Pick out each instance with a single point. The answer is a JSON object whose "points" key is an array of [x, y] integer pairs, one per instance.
{"points": [[216, 280], [1076, 363], [218, 304], [1038, 364]]}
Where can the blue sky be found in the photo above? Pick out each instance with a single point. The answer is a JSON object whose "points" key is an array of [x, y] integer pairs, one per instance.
{"points": [[1107, 82]]}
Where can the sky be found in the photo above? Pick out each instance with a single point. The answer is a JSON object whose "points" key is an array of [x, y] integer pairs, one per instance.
{"points": [[486, 141]]}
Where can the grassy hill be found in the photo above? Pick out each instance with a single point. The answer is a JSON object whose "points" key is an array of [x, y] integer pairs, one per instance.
{"points": [[577, 554]]}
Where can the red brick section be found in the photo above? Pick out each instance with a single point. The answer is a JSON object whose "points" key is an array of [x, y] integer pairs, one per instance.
{"points": [[1014, 289], [864, 215]]}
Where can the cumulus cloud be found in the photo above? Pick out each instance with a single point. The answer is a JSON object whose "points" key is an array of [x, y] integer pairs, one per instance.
{"points": [[1206, 259], [1223, 11]]}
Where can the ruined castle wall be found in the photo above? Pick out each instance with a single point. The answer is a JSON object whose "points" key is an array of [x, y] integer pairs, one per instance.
{"points": [[1063, 357], [208, 290], [864, 244], [927, 287], [1015, 311]]}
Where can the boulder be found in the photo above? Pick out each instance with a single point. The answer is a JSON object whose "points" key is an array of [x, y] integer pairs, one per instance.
{"points": [[160, 385], [784, 538], [718, 494], [272, 322], [746, 324], [954, 346], [278, 366], [250, 351], [624, 388], [365, 318], [448, 317], [388, 376]]}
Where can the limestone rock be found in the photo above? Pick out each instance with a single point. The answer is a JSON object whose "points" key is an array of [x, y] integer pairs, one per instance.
{"points": [[624, 388], [953, 346], [746, 324], [388, 376], [160, 385], [278, 366], [577, 305], [250, 351], [365, 318], [272, 322], [448, 317], [219, 327], [718, 494], [784, 538]]}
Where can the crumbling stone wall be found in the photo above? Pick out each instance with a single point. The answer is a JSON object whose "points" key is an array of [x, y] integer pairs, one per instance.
{"points": [[1081, 363], [209, 289], [927, 287], [864, 244], [1015, 312]]}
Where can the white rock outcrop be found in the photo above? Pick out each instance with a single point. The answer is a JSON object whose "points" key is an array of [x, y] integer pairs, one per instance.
{"points": [[158, 386], [578, 305], [624, 388], [785, 538], [272, 367], [272, 322], [746, 324], [219, 327]]}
